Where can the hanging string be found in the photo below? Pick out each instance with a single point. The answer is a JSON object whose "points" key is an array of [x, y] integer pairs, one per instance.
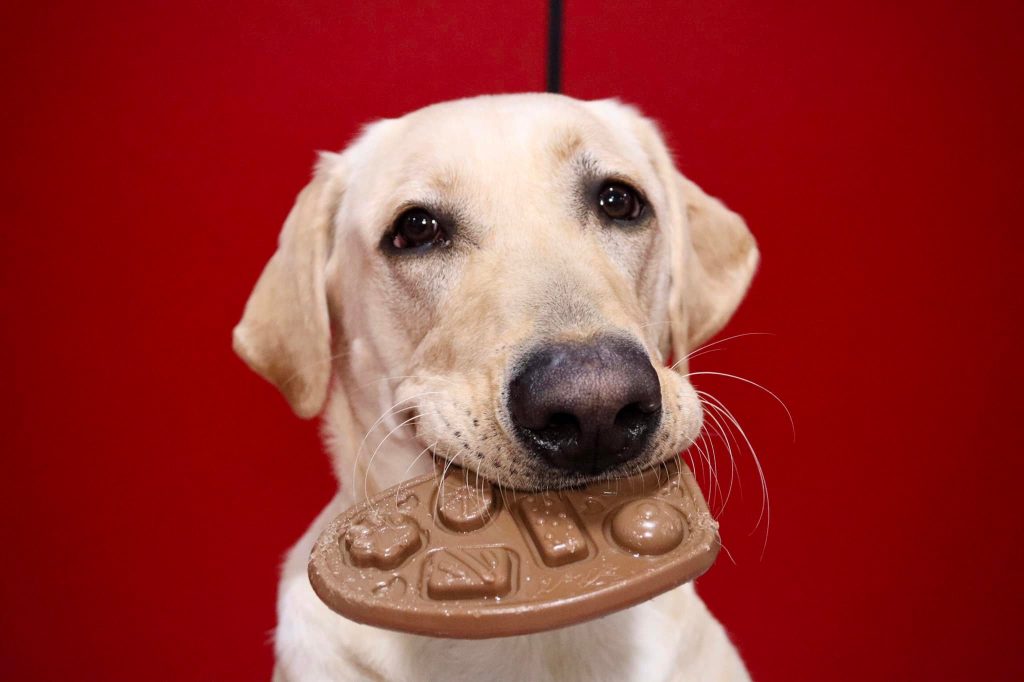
{"points": [[555, 46]]}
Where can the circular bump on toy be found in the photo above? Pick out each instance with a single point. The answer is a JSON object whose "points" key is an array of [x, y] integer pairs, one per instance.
{"points": [[648, 527]]}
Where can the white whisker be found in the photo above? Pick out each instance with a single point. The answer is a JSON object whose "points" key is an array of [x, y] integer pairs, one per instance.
{"points": [[701, 349], [363, 385], [765, 500], [725, 435], [369, 464], [792, 424], [382, 417]]}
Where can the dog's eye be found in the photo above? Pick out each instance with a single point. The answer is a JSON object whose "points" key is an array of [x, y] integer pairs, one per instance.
{"points": [[619, 201], [416, 227]]}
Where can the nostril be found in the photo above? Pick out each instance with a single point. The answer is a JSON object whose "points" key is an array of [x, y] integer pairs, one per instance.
{"points": [[563, 419], [560, 427], [635, 415]]}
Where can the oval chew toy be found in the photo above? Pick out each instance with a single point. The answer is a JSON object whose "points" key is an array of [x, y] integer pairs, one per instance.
{"points": [[463, 560]]}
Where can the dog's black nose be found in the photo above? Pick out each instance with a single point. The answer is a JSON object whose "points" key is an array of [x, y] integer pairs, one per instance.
{"points": [[586, 406]]}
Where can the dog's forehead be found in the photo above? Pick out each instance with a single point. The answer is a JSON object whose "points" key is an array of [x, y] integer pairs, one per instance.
{"points": [[484, 148], [516, 125]]}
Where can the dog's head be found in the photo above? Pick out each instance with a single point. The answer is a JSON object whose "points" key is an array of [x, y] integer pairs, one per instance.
{"points": [[516, 271]]}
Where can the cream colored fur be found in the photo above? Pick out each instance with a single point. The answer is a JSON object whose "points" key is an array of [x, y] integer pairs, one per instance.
{"points": [[409, 354]]}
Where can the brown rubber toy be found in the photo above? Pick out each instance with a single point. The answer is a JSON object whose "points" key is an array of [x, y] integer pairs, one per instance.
{"points": [[465, 561]]}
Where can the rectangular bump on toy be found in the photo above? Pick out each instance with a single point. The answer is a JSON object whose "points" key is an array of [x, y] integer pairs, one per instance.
{"points": [[554, 529]]}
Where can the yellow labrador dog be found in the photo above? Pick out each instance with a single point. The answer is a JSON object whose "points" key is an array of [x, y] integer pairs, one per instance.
{"points": [[499, 282]]}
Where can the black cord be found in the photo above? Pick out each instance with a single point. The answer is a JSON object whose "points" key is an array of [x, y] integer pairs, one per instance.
{"points": [[554, 45]]}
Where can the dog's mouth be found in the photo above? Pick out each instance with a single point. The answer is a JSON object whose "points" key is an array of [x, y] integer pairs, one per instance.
{"points": [[570, 416], [539, 476]]}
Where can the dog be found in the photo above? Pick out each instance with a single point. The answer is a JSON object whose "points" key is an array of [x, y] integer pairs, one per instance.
{"points": [[498, 282]]}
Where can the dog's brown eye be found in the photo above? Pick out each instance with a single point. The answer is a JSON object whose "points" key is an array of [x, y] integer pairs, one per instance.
{"points": [[619, 201], [416, 227]]}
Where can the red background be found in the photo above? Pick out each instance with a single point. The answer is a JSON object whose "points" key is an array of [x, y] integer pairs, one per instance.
{"points": [[151, 151]]}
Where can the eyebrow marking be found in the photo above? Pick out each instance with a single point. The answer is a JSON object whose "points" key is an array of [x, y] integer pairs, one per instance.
{"points": [[445, 181], [565, 145]]}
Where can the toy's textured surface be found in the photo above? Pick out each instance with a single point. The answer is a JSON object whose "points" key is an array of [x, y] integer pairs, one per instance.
{"points": [[462, 560]]}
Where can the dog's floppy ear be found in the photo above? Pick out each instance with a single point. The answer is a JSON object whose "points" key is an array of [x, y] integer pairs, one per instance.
{"points": [[284, 335], [714, 258]]}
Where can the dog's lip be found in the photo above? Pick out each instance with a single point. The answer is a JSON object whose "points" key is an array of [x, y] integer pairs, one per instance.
{"points": [[551, 481], [570, 481]]}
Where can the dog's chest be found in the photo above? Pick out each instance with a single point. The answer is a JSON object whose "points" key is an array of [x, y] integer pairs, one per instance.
{"points": [[637, 644]]}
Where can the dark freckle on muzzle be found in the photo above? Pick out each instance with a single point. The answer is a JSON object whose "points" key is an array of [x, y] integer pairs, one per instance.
{"points": [[586, 406]]}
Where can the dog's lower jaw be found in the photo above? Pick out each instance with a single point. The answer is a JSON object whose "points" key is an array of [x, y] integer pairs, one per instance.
{"points": [[670, 638]]}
